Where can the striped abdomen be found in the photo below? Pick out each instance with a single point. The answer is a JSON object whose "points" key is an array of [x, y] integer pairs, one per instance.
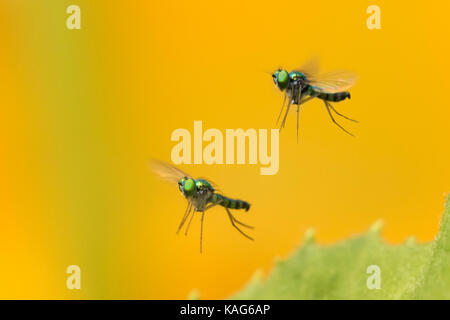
{"points": [[229, 203], [338, 96]]}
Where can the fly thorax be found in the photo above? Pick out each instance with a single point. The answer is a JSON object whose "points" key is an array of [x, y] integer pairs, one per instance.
{"points": [[200, 199]]}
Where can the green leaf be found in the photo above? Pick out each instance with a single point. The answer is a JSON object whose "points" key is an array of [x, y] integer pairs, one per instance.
{"points": [[407, 271]]}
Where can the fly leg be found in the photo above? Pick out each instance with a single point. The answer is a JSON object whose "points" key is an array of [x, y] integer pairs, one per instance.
{"points": [[232, 220], [211, 205], [298, 109], [306, 99], [183, 220], [328, 105], [282, 107], [301, 101], [345, 117], [287, 111], [192, 216], [201, 231], [298, 119], [189, 224], [242, 224]]}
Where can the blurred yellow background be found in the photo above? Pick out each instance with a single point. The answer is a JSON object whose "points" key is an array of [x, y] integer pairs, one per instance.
{"points": [[82, 112]]}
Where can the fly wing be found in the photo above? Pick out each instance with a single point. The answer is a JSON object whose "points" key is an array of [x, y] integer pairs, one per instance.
{"points": [[335, 81], [311, 67], [167, 171]]}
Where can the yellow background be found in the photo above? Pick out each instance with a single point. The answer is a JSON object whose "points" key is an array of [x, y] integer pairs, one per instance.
{"points": [[83, 111]]}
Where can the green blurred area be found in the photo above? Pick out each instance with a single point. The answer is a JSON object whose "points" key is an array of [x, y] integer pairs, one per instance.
{"points": [[407, 271]]}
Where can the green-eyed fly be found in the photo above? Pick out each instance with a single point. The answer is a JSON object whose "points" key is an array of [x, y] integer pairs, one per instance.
{"points": [[201, 196], [300, 86]]}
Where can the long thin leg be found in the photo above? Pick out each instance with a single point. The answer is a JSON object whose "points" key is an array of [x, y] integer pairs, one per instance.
{"points": [[188, 209], [342, 114], [282, 107], [298, 119], [234, 225], [287, 112], [235, 220], [242, 224], [306, 99], [211, 205], [189, 224], [298, 110], [201, 231], [329, 112]]}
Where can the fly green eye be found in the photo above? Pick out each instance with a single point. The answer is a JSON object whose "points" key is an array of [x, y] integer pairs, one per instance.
{"points": [[189, 187], [283, 79]]}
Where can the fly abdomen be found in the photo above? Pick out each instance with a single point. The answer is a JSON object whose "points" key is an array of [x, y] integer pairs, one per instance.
{"points": [[334, 97], [230, 203]]}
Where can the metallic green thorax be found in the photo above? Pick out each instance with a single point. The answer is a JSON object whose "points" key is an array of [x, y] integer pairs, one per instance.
{"points": [[296, 75], [202, 184]]}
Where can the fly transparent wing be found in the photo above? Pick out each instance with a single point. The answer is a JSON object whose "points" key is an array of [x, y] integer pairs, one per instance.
{"points": [[335, 81], [167, 171], [311, 67]]}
